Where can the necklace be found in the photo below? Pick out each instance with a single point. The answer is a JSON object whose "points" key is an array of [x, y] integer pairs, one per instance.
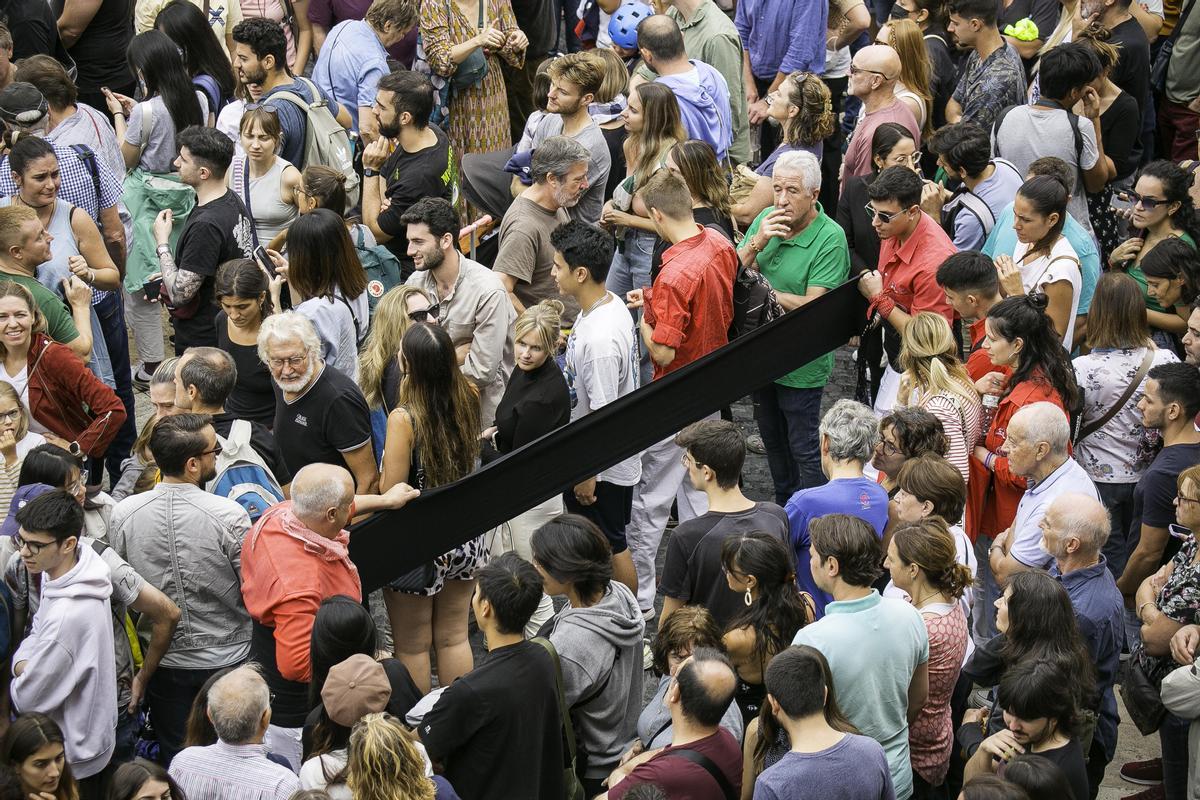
{"points": [[595, 305]]}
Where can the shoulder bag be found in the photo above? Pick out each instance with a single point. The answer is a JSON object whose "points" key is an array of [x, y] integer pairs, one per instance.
{"points": [[1096, 425], [572, 787], [707, 764]]}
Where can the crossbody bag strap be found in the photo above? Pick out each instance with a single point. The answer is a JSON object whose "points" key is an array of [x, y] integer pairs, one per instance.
{"points": [[564, 712], [1050, 263], [704, 761], [244, 163], [1092, 427]]}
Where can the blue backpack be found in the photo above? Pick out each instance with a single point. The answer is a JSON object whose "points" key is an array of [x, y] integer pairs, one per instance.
{"points": [[242, 475], [380, 264]]}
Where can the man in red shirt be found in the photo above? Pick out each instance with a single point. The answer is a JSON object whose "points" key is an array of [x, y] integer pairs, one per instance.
{"points": [[972, 286], [294, 557], [912, 247], [685, 316]]}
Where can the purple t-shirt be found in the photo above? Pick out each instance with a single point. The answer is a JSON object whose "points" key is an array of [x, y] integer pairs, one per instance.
{"points": [[858, 497], [767, 167], [853, 769], [328, 13]]}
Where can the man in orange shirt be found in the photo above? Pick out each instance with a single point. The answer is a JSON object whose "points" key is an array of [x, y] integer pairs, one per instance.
{"points": [[294, 557]]}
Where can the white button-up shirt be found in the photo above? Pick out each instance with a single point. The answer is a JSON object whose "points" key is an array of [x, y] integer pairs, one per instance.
{"points": [[1025, 542]]}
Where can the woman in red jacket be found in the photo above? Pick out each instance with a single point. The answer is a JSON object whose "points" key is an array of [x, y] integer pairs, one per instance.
{"points": [[1022, 337], [66, 402]]}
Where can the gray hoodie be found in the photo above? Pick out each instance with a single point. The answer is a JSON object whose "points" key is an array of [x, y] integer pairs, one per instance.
{"points": [[600, 648]]}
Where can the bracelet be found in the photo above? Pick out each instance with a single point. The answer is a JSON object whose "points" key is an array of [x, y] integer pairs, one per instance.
{"points": [[1143, 605], [91, 275], [753, 247], [989, 461]]}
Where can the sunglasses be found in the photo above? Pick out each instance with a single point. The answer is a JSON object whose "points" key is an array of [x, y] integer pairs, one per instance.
{"points": [[1148, 203], [262, 106], [884, 216], [424, 314]]}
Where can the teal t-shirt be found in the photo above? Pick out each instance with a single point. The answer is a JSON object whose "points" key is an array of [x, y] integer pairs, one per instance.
{"points": [[819, 256]]}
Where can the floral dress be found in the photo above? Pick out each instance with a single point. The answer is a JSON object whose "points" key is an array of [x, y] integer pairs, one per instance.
{"points": [[478, 114]]}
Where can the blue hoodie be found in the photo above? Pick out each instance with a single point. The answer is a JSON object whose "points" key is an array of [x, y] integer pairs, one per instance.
{"points": [[703, 96]]}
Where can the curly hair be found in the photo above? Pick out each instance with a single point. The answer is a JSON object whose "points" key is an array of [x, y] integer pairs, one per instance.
{"points": [[815, 120]]}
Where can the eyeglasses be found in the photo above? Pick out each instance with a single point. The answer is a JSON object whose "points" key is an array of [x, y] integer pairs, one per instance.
{"points": [[216, 451], [423, 314], [856, 70], [888, 448], [295, 362], [35, 548], [912, 159], [884, 216], [10, 416], [1183, 498], [683, 459], [1148, 203]]}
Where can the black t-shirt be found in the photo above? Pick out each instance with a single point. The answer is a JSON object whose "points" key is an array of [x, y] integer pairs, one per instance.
{"points": [[534, 404], [431, 172], [615, 139], [945, 72], [99, 52], [497, 729], [538, 19], [263, 442], [1132, 71], [692, 572], [329, 419], [1121, 127], [1154, 495], [34, 29], [1069, 758], [1044, 14], [214, 233], [253, 396]]}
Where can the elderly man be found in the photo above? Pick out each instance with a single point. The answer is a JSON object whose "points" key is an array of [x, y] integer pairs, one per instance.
{"points": [[803, 253], [1074, 530], [1037, 449], [702, 689], [526, 259], [296, 556], [873, 76], [239, 706], [321, 415]]}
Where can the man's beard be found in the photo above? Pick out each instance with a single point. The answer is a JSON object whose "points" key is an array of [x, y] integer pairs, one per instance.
{"points": [[389, 130], [298, 384], [564, 200], [254, 77]]}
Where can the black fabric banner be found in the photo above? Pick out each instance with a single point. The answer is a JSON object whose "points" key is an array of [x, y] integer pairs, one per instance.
{"points": [[391, 543]]}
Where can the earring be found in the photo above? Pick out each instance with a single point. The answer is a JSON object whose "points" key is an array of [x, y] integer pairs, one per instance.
{"points": [[749, 597]]}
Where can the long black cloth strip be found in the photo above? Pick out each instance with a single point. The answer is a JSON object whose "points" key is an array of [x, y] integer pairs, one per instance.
{"points": [[390, 543]]}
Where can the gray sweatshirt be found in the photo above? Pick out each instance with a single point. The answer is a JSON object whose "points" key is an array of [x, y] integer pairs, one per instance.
{"points": [[600, 648], [1181, 696]]}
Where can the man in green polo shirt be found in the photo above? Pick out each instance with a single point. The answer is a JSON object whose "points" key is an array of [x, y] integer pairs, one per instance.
{"points": [[803, 253], [24, 246], [710, 36]]}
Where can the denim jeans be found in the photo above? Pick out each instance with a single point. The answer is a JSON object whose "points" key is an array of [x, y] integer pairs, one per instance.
{"points": [[1118, 499], [631, 270], [111, 314], [788, 420], [1173, 735], [170, 694]]}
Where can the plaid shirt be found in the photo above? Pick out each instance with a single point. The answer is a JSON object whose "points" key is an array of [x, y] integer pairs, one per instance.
{"points": [[77, 187]]}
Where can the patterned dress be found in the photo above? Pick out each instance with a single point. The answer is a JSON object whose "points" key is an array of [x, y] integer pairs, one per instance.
{"points": [[931, 736], [479, 114]]}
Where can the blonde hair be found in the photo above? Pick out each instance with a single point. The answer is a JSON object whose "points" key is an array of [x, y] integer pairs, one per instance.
{"points": [[1061, 29], [929, 358], [12, 218], [616, 75], [382, 347], [7, 392], [14, 289], [545, 319], [383, 763], [584, 70], [907, 39]]}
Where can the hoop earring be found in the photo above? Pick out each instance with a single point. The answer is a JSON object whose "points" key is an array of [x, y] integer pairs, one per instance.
{"points": [[749, 597]]}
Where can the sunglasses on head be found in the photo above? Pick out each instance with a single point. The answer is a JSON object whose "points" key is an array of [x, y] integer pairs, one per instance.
{"points": [[424, 314]]}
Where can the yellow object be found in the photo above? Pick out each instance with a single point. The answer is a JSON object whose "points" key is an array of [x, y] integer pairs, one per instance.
{"points": [[1025, 30]]}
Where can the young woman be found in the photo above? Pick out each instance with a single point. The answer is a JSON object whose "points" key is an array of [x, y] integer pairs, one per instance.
{"points": [[33, 747], [611, 102], [760, 566], [325, 187], [16, 440], [906, 38], [328, 286], [67, 403], [802, 107], [386, 765], [143, 780], [922, 559], [266, 183], [433, 439], [229, 121], [1044, 260], [930, 16], [935, 379], [535, 402], [697, 164], [52, 465], [1172, 273], [1162, 210], [379, 372], [598, 635], [1117, 454], [206, 61], [891, 145], [1020, 336], [242, 290]]}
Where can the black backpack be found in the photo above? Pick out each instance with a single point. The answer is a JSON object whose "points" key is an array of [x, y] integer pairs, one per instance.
{"points": [[754, 302]]}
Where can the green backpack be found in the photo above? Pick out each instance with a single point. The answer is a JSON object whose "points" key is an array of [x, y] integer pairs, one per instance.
{"points": [[380, 264]]}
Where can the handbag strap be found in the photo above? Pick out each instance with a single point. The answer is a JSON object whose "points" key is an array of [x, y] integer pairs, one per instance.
{"points": [[704, 761], [563, 711], [244, 166], [1092, 427]]}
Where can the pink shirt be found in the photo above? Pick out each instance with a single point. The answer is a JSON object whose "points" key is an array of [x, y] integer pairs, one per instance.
{"points": [[858, 155]]}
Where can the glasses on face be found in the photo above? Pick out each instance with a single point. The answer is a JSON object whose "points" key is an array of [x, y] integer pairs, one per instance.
{"points": [[884, 216], [1148, 203], [687, 460], [856, 70], [295, 362], [34, 548], [1183, 498], [423, 314], [10, 416], [888, 448], [912, 159], [215, 451]]}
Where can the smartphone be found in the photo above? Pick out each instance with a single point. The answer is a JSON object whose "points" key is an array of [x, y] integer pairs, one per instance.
{"points": [[151, 290], [260, 255]]}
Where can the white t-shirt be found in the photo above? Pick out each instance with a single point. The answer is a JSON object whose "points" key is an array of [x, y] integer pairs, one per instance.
{"points": [[1061, 265], [601, 366]]}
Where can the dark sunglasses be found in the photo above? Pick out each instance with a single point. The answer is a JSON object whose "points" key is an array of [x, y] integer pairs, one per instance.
{"points": [[424, 314], [884, 216], [1148, 203], [261, 106]]}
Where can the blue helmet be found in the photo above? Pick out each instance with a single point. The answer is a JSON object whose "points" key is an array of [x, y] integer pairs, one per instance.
{"points": [[622, 27]]}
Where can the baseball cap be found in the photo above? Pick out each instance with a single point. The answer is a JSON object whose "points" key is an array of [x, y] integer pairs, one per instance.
{"points": [[22, 105], [23, 495], [354, 688]]}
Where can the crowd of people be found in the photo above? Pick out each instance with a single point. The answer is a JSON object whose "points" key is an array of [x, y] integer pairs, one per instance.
{"points": [[355, 251]]}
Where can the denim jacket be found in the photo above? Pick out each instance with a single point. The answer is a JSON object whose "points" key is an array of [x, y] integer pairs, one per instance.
{"points": [[188, 543]]}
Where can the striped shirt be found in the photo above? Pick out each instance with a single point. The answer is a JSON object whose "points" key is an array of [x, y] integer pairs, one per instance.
{"points": [[232, 772]]}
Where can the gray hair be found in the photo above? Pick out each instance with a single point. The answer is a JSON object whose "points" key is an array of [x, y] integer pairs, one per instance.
{"points": [[556, 156], [287, 327], [236, 704], [853, 431], [1044, 422], [803, 164], [1084, 518], [312, 498], [212, 371], [164, 373]]}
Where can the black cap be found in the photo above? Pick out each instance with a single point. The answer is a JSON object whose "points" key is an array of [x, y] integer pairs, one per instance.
{"points": [[22, 105]]}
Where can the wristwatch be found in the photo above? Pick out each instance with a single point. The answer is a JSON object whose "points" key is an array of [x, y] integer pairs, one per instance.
{"points": [[370, 173]]}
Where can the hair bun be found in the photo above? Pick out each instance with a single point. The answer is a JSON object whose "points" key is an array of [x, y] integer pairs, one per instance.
{"points": [[1039, 300], [1096, 32]]}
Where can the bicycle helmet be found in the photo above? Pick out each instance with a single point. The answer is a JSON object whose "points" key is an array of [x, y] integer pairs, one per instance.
{"points": [[622, 26]]}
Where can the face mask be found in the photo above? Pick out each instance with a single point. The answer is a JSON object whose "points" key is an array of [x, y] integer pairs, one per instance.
{"points": [[898, 12]]}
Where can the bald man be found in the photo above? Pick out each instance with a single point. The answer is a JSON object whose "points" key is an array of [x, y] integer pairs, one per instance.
{"points": [[295, 557], [873, 75], [1074, 530]]}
